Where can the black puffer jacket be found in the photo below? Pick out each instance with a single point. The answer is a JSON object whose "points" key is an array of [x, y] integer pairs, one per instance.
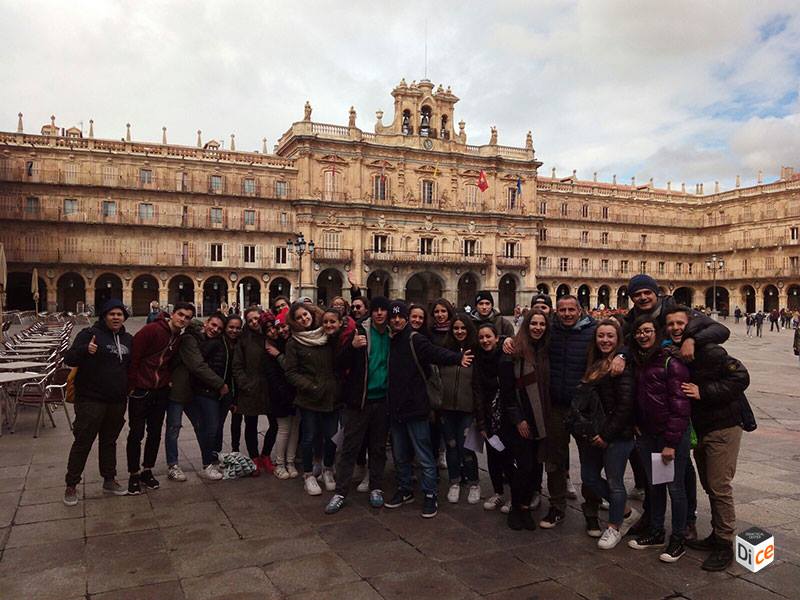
{"points": [[407, 398], [701, 328], [215, 354], [249, 371], [281, 393], [102, 376], [722, 380], [618, 397], [486, 387], [568, 349], [191, 373], [503, 326]]}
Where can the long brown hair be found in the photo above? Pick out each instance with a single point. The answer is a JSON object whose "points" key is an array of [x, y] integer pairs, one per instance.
{"points": [[597, 365], [316, 316], [524, 346]]}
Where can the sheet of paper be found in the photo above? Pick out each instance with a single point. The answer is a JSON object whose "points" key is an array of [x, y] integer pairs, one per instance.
{"points": [[662, 473], [495, 443], [473, 440], [338, 437]]}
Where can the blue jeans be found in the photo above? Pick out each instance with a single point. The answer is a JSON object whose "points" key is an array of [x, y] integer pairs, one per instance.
{"points": [[613, 459], [462, 464], [174, 417], [408, 439], [203, 413], [657, 494], [316, 424]]}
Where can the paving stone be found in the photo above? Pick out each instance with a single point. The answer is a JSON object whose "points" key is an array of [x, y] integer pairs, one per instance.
{"points": [[371, 559], [46, 495], [360, 590], [169, 590], [310, 573], [734, 588], [492, 572], [763, 516], [544, 590], [30, 559], [454, 543], [199, 533], [45, 532], [614, 582], [267, 523], [357, 532], [109, 506], [130, 520], [13, 472], [195, 560], [126, 571], [56, 583], [124, 545], [12, 484], [249, 583], [567, 557], [428, 584], [52, 511], [782, 578], [8, 506], [207, 511]]}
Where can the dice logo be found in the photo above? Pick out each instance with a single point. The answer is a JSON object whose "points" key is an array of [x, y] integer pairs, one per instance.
{"points": [[755, 549]]}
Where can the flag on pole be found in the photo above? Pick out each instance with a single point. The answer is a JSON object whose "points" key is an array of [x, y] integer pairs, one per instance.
{"points": [[483, 184]]}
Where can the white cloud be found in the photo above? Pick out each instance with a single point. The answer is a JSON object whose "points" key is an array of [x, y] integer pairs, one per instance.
{"points": [[678, 90]]}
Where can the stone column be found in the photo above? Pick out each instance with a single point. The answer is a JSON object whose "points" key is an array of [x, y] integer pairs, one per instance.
{"points": [[163, 295], [50, 298], [593, 301], [127, 294], [198, 297], [264, 295], [783, 297]]}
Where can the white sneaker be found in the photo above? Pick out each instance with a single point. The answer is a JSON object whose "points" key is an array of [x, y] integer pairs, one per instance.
{"points": [[604, 505], [453, 493], [211, 473], [571, 493], [328, 480], [610, 538], [311, 486], [506, 508], [175, 473], [363, 486], [474, 495], [280, 472], [493, 502], [292, 470], [629, 521]]}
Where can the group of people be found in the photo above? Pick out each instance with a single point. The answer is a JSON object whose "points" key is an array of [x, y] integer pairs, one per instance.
{"points": [[337, 383]]}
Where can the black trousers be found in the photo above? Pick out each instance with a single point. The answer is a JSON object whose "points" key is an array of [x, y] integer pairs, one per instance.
{"points": [[524, 464], [92, 420], [371, 423], [146, 411], [251, 434]]}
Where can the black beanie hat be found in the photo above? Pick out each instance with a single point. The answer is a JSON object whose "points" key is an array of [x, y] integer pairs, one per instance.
{"points": [[541, 299], [379, 302], [484, 295], [642, 282], [112, 304], [398, 307]]}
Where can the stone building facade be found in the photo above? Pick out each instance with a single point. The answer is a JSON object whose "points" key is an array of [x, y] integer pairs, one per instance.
{"points": [[407, 209]]}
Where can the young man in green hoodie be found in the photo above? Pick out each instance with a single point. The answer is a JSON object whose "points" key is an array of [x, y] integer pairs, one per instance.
{"points": [[365, 406]]}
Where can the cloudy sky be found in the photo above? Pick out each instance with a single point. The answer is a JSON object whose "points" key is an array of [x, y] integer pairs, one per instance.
{"points": [[681, 90]]}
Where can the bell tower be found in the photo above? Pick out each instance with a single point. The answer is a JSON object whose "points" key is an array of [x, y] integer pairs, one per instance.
{"points": [[420, 111]]}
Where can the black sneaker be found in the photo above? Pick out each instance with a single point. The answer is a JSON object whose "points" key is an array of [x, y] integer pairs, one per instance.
{"points": [[720, 558], [527, 520], [148, 480], [430, 507], [649, 540], [593, 527], [674, 550], [400, 497], [553, 518], [707, 544], [134, 485], [514, 518]]}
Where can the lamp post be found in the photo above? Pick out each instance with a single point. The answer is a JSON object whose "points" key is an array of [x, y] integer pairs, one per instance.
{"points": [[714, 264], [298, 246]]}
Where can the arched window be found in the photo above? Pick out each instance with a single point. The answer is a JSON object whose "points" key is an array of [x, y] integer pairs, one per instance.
{"points": [[425, 121], [444, 133], [407, 128]]}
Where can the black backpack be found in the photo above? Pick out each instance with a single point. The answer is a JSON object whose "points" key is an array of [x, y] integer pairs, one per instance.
{"points": [[586, 417]]}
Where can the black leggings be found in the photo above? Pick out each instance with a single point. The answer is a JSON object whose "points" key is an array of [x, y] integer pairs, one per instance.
{"points": [[251, 434]]}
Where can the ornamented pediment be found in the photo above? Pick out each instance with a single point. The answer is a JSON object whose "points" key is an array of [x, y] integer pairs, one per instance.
{"points": [[382, 225], [426, 170], [470, 173], [333, 159], [331, 220], [512, 178], [381, 164], [471, 230], [428, 226]]}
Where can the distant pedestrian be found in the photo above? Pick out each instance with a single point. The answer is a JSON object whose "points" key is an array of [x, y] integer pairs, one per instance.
{"points": [[759, 319]]}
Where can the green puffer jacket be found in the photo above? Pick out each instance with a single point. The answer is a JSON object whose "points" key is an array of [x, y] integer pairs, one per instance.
{"points": [[250, 374], [457, 392], [189, 366], [310, 370]]}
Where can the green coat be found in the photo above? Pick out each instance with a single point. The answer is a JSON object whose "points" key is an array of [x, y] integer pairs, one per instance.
{"points": [[250, 374], [188, 363], [310, 369], [457, 392]]}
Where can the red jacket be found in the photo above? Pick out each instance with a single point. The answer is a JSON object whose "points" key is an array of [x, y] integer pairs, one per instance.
{"points": [[153, 348]]}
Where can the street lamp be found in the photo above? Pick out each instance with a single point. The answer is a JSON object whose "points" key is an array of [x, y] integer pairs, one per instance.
{"points": [[298, 247], [714, 264]]}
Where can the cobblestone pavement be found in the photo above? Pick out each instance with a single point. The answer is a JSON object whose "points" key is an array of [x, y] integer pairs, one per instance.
{"points": [[264, 538]]}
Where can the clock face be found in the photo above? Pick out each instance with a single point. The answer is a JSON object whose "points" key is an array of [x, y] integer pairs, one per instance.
{"points": [[427, 144]]}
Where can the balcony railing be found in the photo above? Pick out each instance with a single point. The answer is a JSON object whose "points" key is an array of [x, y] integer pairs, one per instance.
{"points": [[332, 255], [198, 182], [512, 262], [409, 257]]}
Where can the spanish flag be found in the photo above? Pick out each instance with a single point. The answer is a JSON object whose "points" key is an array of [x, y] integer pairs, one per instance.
{"points": [[483, 184]]}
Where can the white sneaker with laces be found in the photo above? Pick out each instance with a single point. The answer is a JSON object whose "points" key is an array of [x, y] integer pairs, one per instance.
{"points": [[328, 480], [610, 538], [493, 502], [292, 470], [363, 485], [280, 472], [311, 486], [506, 508], [629, 521], [211, 473], [604, 505], [453, 493], [175, 473], [474, 495]]}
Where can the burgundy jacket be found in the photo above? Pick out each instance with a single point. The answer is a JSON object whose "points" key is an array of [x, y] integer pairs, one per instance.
{"points": [[661, 407], [154, 345]]}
